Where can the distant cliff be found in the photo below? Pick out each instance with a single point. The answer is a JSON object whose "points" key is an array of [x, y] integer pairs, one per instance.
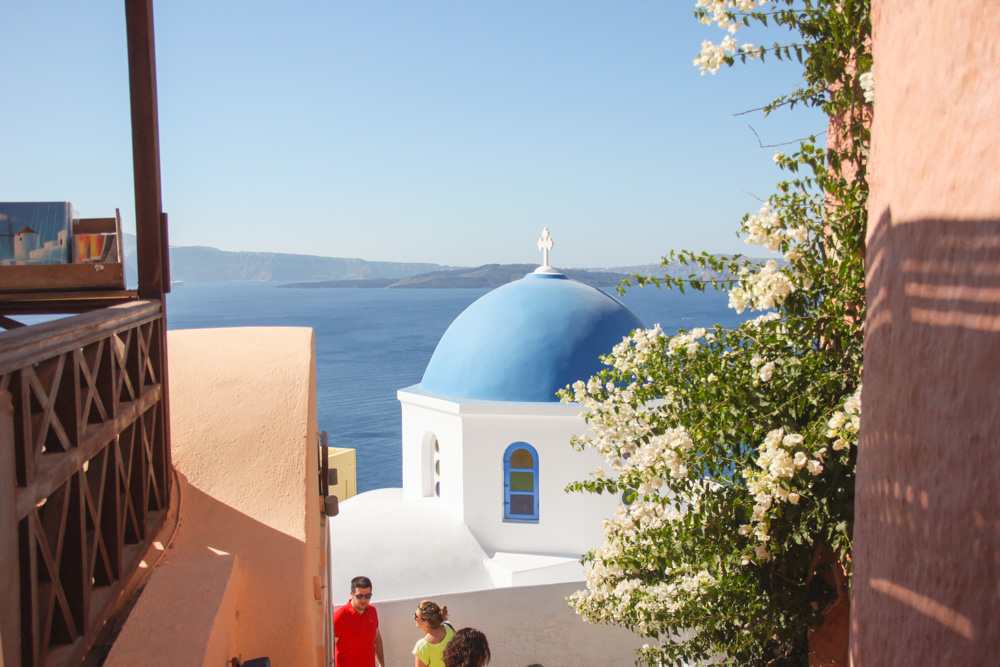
{"points": [[201, 264], [198, 264], [486, 276], [676, 269], [204, 264], [495, 275]]}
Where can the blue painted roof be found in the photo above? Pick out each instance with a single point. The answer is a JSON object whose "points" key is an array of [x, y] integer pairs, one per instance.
{"points": [[525, 340]]}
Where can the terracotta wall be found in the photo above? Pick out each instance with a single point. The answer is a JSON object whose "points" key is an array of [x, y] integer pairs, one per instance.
{"points": [[238, 577], [927, 536]]}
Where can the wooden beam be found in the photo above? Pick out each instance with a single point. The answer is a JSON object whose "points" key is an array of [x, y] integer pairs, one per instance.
{"points": [[145, 149], [46, 303], [62, 278], [8, 323], [27, 345]]}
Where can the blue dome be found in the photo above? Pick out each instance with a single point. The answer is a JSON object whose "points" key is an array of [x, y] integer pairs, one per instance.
{"points": [[524, 341]]}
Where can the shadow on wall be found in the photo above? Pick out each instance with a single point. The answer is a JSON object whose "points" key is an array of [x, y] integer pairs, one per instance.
{"points": [[927, 524]]}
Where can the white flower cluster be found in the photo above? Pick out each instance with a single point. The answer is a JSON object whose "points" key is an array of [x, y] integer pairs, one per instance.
{"points": [[662, 454], [764, 371], [614, 590], [638, 440], [615, 593], [761, 320], [673, 594], [643, 448], [766, 229], [722, 13], [867, 81], [713, 56], [770, 286], [781, 457], [633, 523], [763, 290], [653, 455], [844, 424], [635, 351], [688, 342]]}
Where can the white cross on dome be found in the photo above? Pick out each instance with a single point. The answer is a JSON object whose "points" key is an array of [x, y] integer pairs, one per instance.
{"points": [[545, 244]]}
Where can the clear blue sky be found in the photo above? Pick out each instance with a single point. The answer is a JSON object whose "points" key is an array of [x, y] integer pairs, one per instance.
{"points": [[404, 130]]}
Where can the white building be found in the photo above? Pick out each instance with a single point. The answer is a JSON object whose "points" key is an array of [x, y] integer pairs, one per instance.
{"points": [[486, 460]]}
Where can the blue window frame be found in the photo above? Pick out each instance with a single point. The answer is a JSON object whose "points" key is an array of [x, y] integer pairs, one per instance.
{"points": [[520, 483]]}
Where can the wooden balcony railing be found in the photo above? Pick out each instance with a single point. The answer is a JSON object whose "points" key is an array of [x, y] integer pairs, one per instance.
{"points": [[84, 474]]}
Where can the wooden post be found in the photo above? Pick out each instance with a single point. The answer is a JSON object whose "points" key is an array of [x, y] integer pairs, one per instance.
{"points": [[150, 235], [10, 612], [150, 220]]}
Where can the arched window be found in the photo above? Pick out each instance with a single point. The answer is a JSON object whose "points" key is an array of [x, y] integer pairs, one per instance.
{"points": [[437, 468], [520, 483]]}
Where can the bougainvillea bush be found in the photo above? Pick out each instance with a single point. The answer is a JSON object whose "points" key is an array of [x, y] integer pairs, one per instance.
{"points": [[733, 450]]}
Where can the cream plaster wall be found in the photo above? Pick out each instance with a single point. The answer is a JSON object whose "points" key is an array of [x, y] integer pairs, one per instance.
{"points": [[926, 587], [244, 439], [185, 616]]}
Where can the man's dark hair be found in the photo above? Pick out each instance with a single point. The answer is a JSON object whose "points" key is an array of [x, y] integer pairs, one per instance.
{"points": [[360, 582]]}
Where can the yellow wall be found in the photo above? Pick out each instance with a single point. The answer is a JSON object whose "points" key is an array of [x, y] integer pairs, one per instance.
{"points": [[345, 461]]}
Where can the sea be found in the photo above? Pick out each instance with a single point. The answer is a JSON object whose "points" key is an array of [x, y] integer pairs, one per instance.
{"points": [[372, 342]]}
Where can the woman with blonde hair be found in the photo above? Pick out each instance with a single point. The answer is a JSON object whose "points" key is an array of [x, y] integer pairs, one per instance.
{"points": [[429, 649]]}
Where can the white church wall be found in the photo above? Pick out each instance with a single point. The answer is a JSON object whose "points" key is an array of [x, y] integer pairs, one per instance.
{"points": [[524, 626], [473, 438], [568, 523], [424, 420]]}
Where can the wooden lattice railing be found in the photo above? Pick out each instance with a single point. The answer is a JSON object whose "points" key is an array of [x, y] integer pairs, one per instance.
{"points": [[84, 474]]}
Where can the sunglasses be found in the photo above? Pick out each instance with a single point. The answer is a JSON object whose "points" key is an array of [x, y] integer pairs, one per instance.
{"points": [[363, 596]]}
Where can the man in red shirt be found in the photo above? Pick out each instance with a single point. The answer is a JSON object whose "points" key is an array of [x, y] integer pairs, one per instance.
{"points": [[357, 641]]}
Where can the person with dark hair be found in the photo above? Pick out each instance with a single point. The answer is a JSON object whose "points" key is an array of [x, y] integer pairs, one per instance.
{"points": [[431, 619], [356, 637], [468, 648]]}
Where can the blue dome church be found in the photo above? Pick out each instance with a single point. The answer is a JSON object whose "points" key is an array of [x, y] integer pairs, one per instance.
{"points": [[485, 434], [483, 520]]}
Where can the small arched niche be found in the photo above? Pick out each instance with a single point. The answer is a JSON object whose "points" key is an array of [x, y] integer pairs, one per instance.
{"points": [[430, 466]]}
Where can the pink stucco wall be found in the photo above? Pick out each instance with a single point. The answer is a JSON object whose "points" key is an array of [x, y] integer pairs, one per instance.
{"points": [[926, 589]]}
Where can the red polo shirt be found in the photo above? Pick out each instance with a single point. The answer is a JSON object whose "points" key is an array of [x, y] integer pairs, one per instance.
{"points": [[355, 636]]}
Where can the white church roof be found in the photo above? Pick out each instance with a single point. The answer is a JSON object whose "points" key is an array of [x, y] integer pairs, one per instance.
{"points": [[410, 548]]}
